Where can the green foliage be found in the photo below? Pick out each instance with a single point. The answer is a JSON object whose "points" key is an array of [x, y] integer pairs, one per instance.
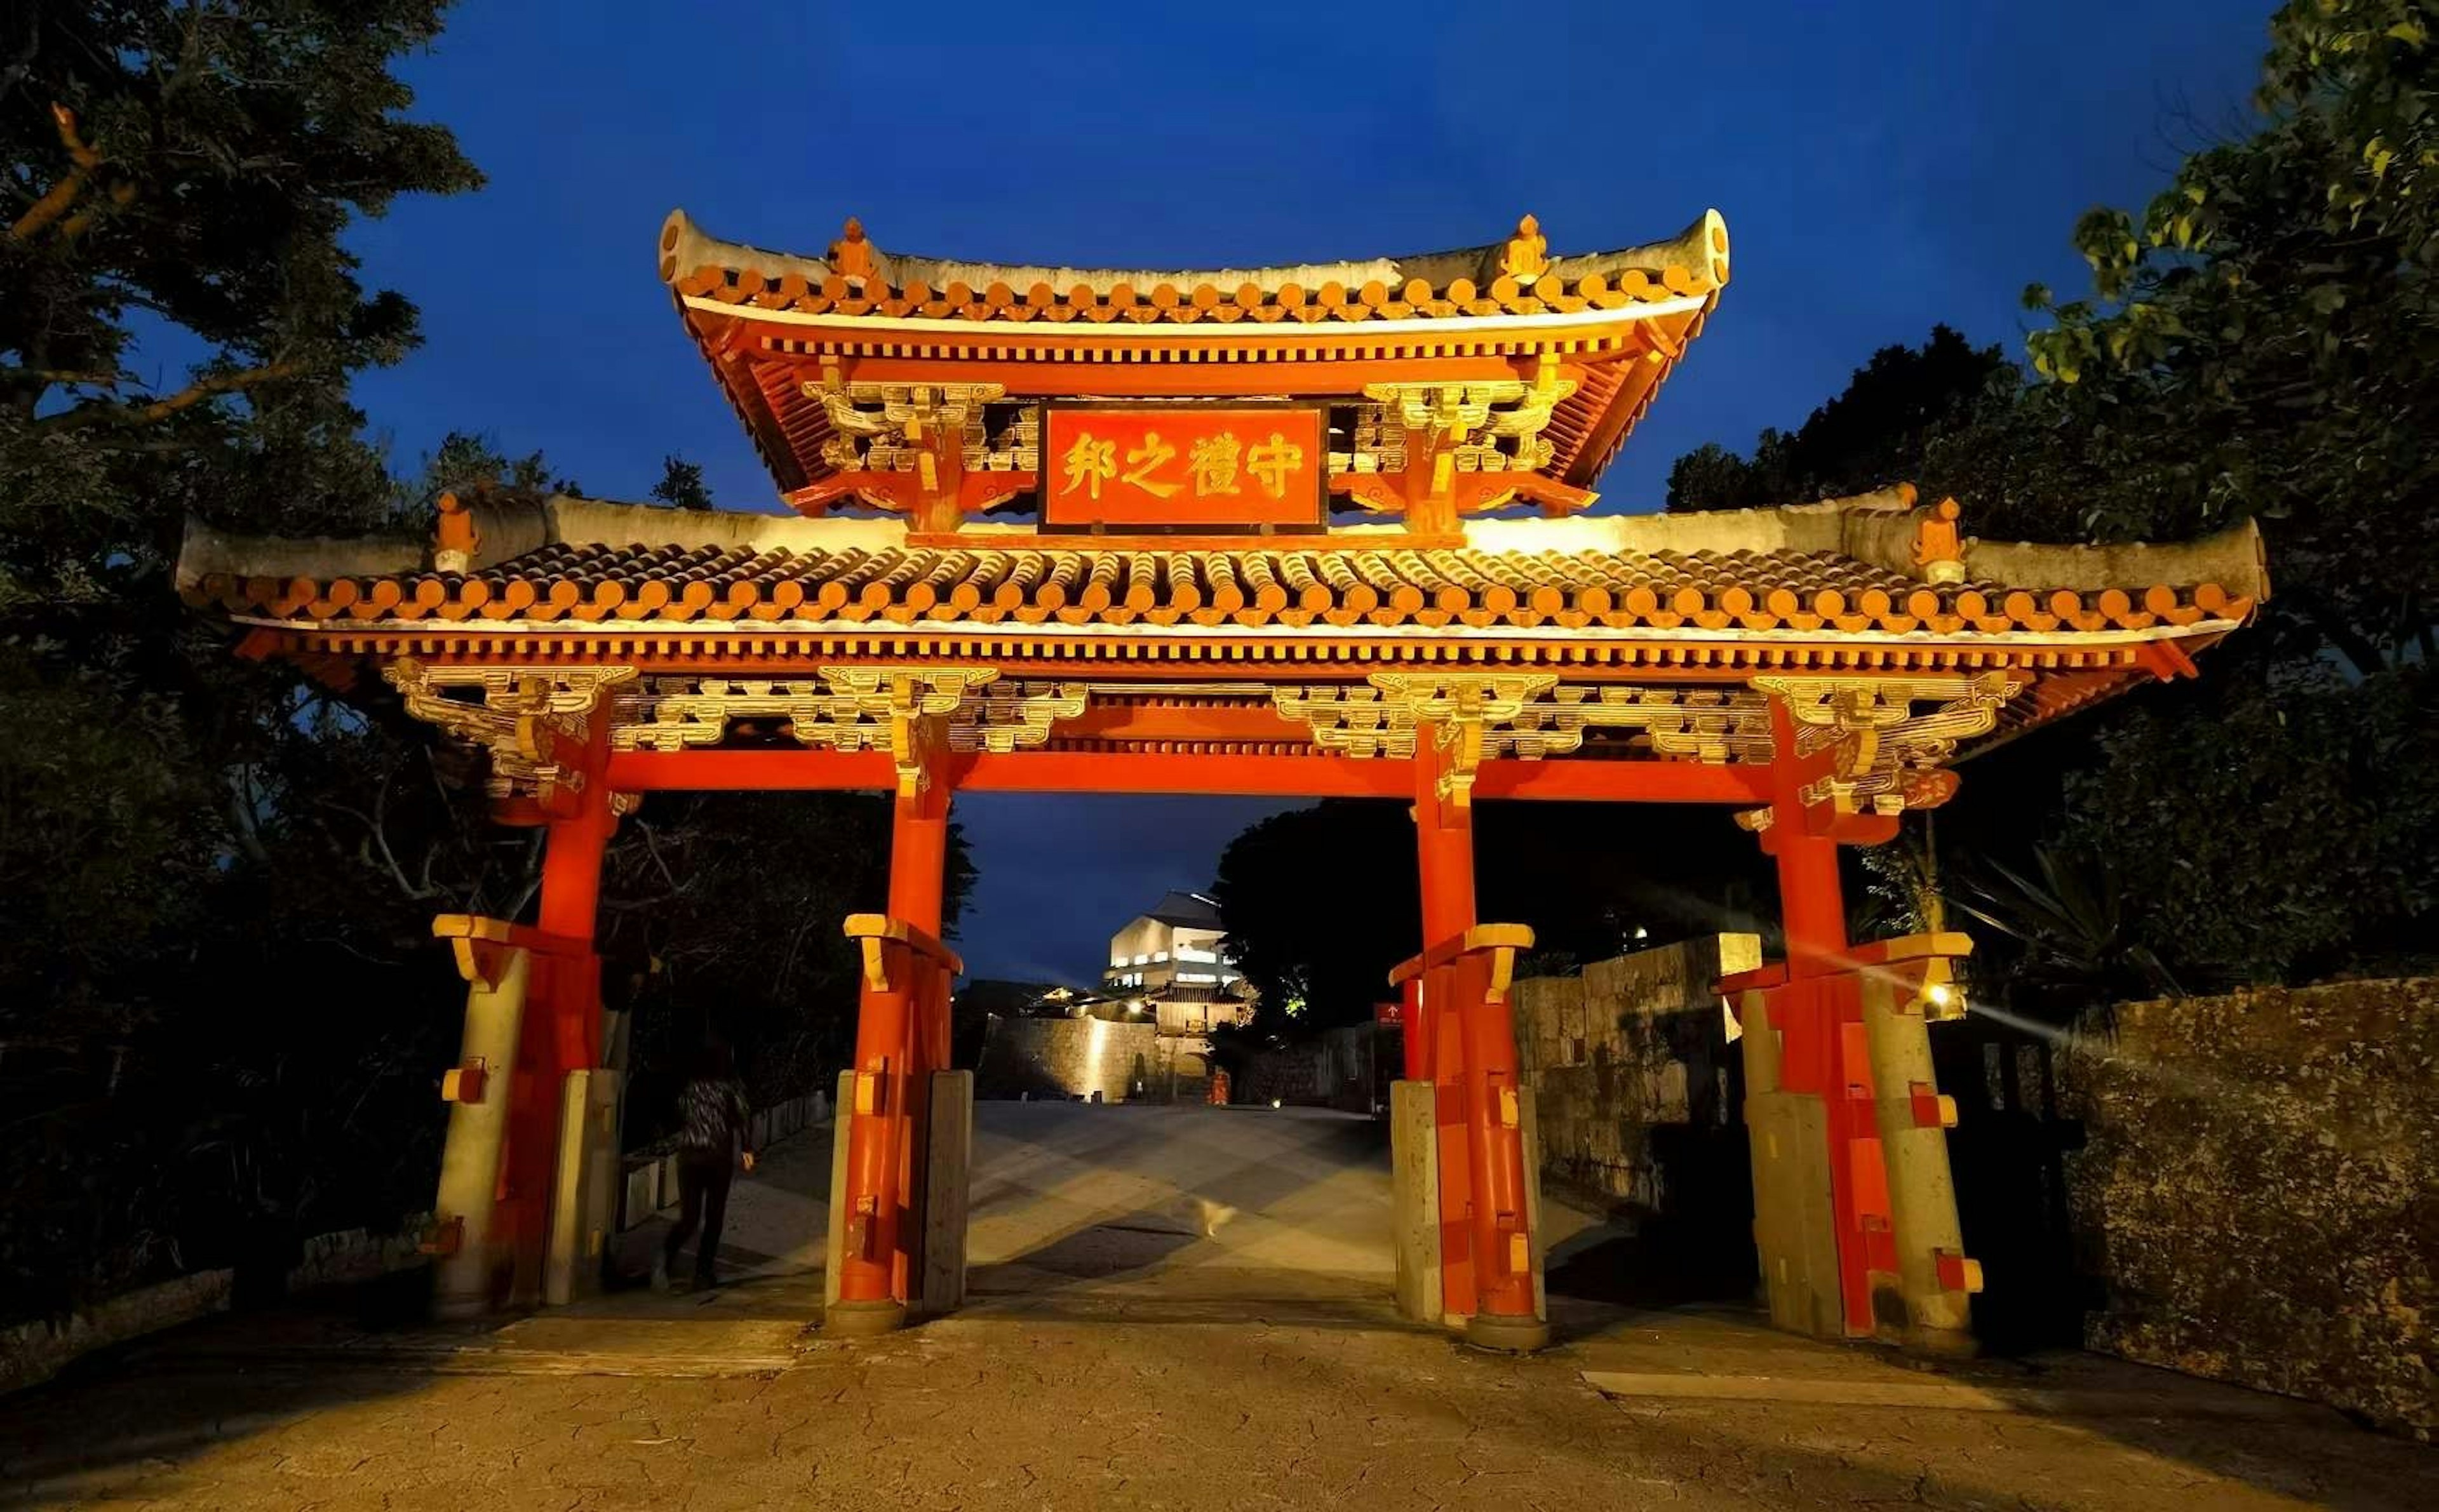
{"points": [[2075, 939], [2262, 340], [178, 1062], [468, 463], [1869, 436], [1321, 902], [2259, 343], [682, 486], [2268, 830], [722, 913]]}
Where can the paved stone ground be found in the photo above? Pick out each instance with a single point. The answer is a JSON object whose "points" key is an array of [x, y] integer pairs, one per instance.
{"points": [[1174, 1308]]}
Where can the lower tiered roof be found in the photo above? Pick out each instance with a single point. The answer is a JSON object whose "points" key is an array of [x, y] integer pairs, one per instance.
{"points": [[1834, 569]]}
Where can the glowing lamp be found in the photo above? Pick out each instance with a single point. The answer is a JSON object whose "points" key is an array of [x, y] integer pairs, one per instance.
{"points": [[1940, 999]]}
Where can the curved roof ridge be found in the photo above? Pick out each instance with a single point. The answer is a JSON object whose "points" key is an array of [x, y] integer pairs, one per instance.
{"points": [[684, 247]]}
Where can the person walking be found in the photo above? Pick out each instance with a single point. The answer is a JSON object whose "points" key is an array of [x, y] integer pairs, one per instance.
{"points": [[711, 1145]]}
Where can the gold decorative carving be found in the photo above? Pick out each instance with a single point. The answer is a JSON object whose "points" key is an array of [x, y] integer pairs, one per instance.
{"points": [[1526, 716], [1470, 717], [1460, 710], [911, 427], [911, 704], [1882, 749], [1712, 725], [672, 713], [1352, 719], [1013, 717], [1461, 427], [852, 708], [522, 715]]}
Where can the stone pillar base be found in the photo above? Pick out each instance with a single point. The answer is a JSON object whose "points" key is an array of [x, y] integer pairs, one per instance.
{"points": [[863, 1320], [1415, 1200], [1514, 1336]]}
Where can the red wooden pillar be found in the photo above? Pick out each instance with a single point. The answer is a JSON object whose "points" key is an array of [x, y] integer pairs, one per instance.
{"points": [[1412, 1036], [561, 1030], [918, 858], [1485, 1238], [901, 1036], [1823, 1049]]}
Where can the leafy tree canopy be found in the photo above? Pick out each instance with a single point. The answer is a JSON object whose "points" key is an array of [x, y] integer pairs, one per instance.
{"points": [[224, 1011], [1869, 436], [682, 486], [1321, 902]]}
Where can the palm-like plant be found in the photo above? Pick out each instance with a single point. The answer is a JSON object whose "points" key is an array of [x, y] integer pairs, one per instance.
{"points": [[2068, 924]]}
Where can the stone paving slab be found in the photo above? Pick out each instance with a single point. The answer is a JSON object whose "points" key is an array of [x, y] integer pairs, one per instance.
{"points": [[1126, 1360]]}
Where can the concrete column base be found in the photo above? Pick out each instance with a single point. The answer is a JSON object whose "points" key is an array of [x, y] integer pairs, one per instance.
{"points": [[1415, 1200], [863, 1320], [1514, 1336]]}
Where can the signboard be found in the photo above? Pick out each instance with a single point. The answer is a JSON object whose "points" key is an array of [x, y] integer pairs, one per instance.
{"points": [[1175, 466], [1388, 1013]]}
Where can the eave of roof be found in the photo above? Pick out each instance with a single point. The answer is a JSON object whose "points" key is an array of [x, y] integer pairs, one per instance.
{"points": [[1840, 569]]}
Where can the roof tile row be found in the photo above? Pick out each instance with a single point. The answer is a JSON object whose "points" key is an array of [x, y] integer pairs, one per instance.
{"points": [[1747, 589], [1166, 303]]}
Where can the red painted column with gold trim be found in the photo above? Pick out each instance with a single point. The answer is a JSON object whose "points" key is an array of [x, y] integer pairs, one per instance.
{"points": [[901, 1036], [562, 1031], [1485, 1238], [1818, 1017]]}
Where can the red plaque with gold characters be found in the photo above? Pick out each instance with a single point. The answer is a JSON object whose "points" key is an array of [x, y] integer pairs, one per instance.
{"points": [[1182, 467]]}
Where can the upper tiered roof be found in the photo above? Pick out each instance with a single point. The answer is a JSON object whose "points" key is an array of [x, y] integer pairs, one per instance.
{"points": [[778, 328]]}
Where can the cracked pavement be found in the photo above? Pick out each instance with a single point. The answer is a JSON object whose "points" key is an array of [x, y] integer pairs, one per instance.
{"points": [[1172, 1308]]}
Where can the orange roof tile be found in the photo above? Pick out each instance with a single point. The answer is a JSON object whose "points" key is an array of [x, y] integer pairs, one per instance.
{"points": [[1024, 581], [1470, 282]]}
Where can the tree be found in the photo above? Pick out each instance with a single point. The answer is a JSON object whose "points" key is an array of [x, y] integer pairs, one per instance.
{"points": [[2257, 343], [2260, 344], [722, 912], [1321, 902], [1869, 436], [682, 486], [466, 462], [179, 318]]}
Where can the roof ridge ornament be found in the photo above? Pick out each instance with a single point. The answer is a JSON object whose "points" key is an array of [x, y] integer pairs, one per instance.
{"points": [[1939, 543], [852, 255], [454, 538], [1526, 255]]}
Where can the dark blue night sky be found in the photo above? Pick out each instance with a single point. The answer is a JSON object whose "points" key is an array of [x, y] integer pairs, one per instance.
{"points": [[1881, 167]]}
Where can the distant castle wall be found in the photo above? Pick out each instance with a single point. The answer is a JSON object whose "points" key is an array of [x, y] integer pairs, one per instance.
{"points": [[1063, 1059]]}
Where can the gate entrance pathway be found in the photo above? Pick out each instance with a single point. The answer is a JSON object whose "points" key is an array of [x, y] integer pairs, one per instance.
{"points": [[1173, 1308]]}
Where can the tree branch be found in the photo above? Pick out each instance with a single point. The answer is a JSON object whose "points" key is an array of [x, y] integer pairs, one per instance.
{"points": [[83, 160], [96, 412]]}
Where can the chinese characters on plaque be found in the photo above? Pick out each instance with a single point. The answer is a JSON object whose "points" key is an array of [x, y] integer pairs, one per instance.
{"points": [[1180, 466]]}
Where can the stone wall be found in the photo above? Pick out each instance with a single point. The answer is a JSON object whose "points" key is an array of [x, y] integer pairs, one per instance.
{"points": [[2259, 1191], [1070, 1057], [1634, 1047], [1348, 1069]]}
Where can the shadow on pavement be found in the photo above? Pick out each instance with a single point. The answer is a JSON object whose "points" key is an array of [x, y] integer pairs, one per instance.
{"points": [[117, 1414]]}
